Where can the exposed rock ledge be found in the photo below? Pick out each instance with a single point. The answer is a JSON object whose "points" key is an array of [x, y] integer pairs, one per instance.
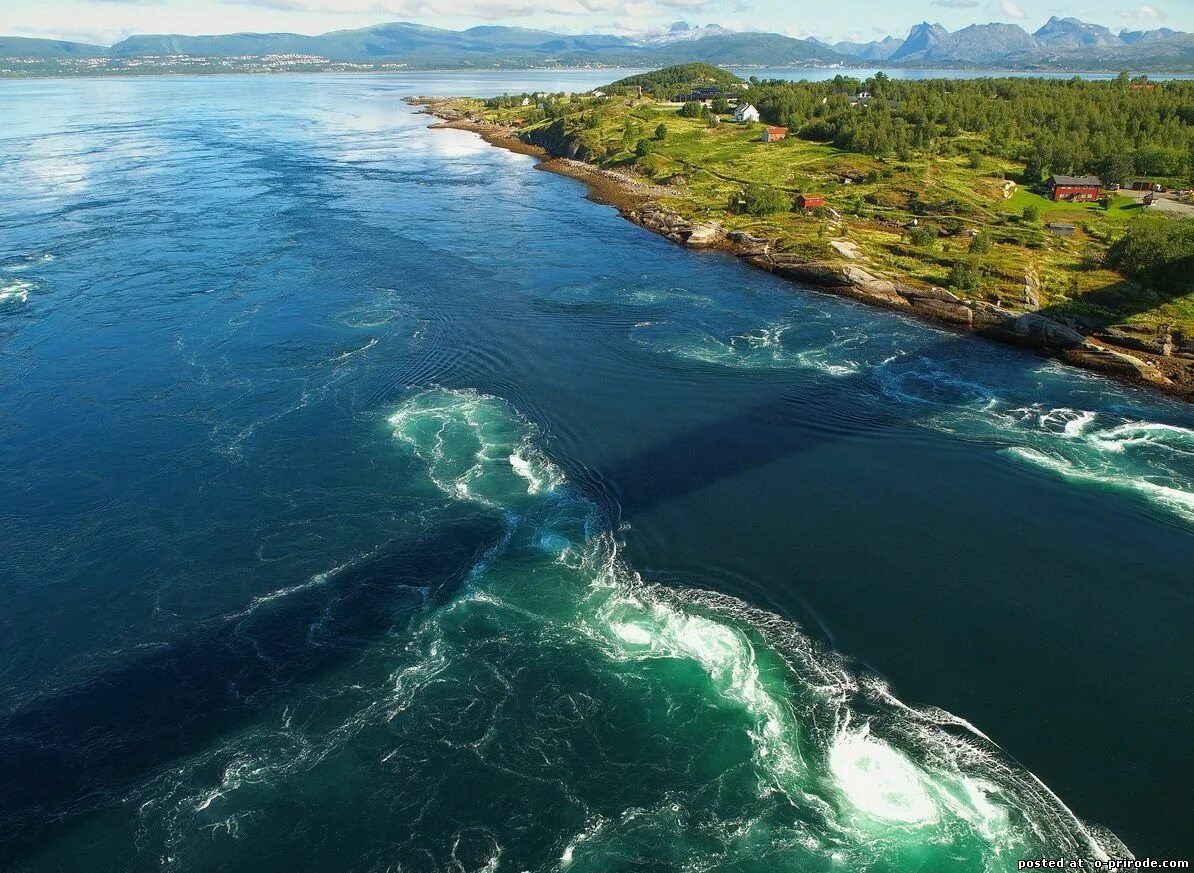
{"points": [[987, 319]]}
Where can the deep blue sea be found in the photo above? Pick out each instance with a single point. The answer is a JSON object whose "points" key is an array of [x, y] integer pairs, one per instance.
{"points": [[372, 501]]}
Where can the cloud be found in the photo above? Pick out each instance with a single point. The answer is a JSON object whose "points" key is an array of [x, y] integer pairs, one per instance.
{"points": [[1010, 9], [1142, 13], [955, 4]]}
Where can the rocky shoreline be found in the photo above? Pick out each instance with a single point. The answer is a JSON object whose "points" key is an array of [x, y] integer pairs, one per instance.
{"points": [[1113, 353]]}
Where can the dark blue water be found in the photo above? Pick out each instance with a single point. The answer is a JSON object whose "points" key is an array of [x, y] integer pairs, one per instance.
{"points": [[372, 501]]}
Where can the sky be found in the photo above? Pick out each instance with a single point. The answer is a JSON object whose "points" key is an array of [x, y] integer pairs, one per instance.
{"points": [[108, 21]]}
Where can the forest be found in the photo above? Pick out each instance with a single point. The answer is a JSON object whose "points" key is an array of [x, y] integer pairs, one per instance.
{"points": [[1114, 129]]}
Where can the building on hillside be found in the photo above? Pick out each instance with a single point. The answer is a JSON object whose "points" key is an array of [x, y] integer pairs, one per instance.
{"points": [[1060, 228], [809, 201], [774, 134], [746, 114], [1150, 198], [1076, 188]]}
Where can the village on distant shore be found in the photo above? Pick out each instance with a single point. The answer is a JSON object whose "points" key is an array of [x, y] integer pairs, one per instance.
{"points": [[1053, 213]]}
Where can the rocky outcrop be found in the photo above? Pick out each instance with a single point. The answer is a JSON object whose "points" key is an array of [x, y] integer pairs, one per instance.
{"points": [[1127, 338], [675, 227]]}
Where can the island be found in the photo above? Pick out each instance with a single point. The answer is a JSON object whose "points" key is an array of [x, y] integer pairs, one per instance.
{"points": [[1054, 214]]}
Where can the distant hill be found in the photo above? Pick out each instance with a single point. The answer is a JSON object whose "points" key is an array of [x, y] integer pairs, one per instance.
{"points": [[978, 44], [876, 50], [22, 47], [1131, 37], [1062, 43], [1072, 33], [921, 40], [680, 77]]}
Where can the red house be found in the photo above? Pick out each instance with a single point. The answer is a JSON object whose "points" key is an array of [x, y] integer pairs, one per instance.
{"points": [[809, 201], [1078, 188], [774, 134]]}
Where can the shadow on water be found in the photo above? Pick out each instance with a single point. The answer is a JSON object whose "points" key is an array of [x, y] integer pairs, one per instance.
{"points": [[75, 752], [759, 434]]}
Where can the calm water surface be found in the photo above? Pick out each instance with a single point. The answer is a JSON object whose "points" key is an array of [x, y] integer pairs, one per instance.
{"points": [[372, 501]]}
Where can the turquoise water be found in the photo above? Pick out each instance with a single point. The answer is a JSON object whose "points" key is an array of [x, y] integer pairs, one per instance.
{"points": [[372, 501]]}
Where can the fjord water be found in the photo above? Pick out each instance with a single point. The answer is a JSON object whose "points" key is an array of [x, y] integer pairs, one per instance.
{"points": [[372, 501]]}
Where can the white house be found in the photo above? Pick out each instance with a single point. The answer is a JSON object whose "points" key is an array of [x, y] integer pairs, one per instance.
{"points": [[746, 114]]}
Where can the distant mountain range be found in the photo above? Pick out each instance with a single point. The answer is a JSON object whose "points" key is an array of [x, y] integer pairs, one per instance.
{"points": [[1062, 43]]}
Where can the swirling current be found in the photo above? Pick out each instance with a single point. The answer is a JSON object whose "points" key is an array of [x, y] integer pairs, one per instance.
{"points": [[371, 501]]}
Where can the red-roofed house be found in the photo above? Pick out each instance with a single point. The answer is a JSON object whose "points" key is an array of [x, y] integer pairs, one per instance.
{"points": [[809, 201], [774, 134]]}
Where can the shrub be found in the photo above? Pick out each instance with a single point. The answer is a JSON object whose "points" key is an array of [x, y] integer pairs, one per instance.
{"points": [[643, 148], [981, 244], [923, 235], [661, 132], [1032, 213], [761, 200], [964, 276]]}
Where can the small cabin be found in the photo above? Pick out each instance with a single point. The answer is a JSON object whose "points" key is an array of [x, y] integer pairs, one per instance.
{"points": [[1150, 198], [809, 201], [1059, 228], [774, 134]]}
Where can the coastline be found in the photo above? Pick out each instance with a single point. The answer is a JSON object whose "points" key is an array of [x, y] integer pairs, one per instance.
{"points": [[636, 201]]}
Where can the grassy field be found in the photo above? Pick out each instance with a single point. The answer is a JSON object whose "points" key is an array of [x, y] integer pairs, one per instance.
{"points": [[872, 202]]}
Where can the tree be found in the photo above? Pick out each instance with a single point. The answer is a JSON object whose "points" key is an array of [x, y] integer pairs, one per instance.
{"points": [[721, 105], [1116, 168], [1034, 169], [1032, 213], [691, 109], [1157, 250], [643, 148], [981, 244], [661, 132]]}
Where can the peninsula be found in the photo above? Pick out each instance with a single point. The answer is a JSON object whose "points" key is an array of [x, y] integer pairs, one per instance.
{"points": [[1052, 214]]}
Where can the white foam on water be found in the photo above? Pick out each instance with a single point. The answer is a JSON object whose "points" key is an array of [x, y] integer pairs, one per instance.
{"points": [[643, 627], [762, 348], [1144, 433], [475, 446], [26, 263], [1173, 499], [16, 290], [879, 780]]}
